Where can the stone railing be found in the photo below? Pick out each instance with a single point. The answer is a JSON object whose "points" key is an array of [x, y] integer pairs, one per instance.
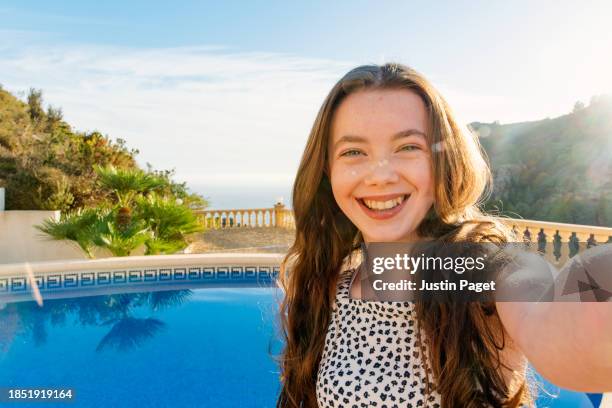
{"points": [[558, 242], [278, 216]]}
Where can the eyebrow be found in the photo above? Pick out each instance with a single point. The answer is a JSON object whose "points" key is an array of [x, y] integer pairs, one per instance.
{"points": [[361, 139]]}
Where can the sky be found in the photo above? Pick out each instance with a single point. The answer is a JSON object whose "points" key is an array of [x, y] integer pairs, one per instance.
{"points": [[226, 92]]}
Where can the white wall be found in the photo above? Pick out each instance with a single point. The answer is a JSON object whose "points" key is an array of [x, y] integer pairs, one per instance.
{"points": [[21, 242]]}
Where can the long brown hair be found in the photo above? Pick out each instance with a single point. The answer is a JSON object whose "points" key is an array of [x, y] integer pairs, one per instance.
{"points": [[463, 341]]}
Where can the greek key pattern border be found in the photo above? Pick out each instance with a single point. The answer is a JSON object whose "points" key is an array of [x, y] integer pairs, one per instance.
{"points": [[129, 277]]}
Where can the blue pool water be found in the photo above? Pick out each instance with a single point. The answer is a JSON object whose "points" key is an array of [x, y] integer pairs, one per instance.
{"points": [[181, 348]]}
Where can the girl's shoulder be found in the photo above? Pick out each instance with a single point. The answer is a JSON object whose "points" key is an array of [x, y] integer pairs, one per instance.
{"points": [[345, 277], [348, 270], [351, 261]]}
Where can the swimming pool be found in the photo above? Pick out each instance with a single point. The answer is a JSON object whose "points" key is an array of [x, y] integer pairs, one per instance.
{"points": [[186, 346]]}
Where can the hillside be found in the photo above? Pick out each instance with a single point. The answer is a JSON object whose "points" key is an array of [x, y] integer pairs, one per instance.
{"points": [[46, 165], [555, 169]]}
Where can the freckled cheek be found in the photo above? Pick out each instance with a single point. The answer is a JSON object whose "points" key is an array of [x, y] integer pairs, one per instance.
{"points": [[345, 179], [348, 174]]}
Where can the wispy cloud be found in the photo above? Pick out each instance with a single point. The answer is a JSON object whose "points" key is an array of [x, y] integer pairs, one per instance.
{"points": [[215, 115], [221, 118]]}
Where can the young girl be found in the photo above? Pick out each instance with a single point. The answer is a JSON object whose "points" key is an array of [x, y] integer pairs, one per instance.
{"points": [[386, 161]]}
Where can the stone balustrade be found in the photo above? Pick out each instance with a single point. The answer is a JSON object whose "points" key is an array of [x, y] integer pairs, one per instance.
{"points": [[556, 241], [278, 216]]}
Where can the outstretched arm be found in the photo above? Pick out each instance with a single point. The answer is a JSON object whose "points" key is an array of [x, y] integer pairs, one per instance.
{"points": [[568, 341]]}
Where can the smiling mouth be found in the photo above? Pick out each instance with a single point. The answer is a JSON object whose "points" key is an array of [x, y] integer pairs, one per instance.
{"points": [[376, 205]]}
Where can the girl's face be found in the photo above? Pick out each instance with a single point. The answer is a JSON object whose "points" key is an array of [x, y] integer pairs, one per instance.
{"points": [[380, 164]]}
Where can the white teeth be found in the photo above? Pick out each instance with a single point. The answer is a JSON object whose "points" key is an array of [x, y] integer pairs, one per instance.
{"points": [[383, 205]]}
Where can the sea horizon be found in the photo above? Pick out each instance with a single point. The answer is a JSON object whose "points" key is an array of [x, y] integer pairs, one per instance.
{"points": [[240, 196]]}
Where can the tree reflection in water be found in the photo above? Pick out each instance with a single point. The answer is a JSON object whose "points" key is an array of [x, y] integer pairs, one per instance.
{"points": [[127, 332]]}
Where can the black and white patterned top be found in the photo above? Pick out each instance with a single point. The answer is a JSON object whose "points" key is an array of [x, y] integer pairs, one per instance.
{"points": [[371, 356]]}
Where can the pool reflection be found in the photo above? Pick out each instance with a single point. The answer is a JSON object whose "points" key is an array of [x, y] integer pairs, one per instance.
{"points": [[127, 331]]}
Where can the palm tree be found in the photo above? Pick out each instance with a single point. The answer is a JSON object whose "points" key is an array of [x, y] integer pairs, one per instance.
{"points": [[169, 221], [128, 183], [78, 226], [122, 241], [161, 223]]}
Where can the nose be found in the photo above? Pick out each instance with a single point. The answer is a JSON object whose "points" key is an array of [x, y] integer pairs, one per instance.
{"points": [[380, 173]]}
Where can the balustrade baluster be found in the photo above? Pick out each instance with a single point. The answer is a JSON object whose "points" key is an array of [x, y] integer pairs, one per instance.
{"points": [[527, 238], [591, 242], [557, 244], [542, 241], [574, 245]]}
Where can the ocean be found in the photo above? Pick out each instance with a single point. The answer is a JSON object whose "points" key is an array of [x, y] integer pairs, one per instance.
{"points": [[223, 198]]}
